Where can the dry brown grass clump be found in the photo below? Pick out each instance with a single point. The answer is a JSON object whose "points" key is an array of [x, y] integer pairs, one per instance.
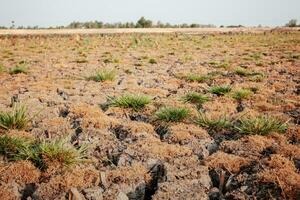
{"points": [[92, 116], [79, 177], [282, 171], [179, 133], [128, 175], [154, 148], [22, 172], [7, 192], [230, 162], [248, 146]]}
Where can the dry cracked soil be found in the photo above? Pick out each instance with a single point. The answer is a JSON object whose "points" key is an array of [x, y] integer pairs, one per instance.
{"points": [[133, 154]]}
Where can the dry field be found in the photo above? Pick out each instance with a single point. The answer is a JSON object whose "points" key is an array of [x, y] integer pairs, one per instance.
{"points": [[150, 116]]}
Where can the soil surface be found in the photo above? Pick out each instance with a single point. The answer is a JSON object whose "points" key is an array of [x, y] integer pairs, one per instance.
{"points": [[131, 154]]}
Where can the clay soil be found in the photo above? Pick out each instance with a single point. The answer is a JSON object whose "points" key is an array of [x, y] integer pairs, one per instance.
{"points": [[128, 156]]}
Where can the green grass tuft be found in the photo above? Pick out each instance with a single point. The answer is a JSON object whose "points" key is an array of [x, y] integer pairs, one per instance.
{"points": [[103, 75], [18, 70], [62, 151], [241, 94], [136, 102], [11, 147], [262, 125], [152, 61], [171, 114], [217, 124], [195, 98], [220, 90], [15, 119]]}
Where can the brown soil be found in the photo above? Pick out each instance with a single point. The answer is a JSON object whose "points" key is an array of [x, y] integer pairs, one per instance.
{"points": [[132, 155]]}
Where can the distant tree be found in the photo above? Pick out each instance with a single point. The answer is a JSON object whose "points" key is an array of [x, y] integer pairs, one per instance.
{"points": [[292, 23], [144, 23]]}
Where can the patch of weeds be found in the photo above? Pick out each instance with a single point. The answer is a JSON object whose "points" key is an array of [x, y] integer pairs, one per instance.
{"points": [[18, 70], [62, 151], [220, 90], [103, 75], [11, 147], [152, 61], [216, 64], [195, 98], [262, 125], [133, 101], [241, 71], [197, 78], [241, 94], [172, 114], [15, 119], [216, 124]]}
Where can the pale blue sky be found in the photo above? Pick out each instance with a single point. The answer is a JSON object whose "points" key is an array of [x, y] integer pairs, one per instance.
{"points": [[218, 12]]}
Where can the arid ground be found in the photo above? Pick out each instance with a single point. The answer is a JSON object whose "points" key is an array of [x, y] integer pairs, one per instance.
{"points": [[220, 118]]}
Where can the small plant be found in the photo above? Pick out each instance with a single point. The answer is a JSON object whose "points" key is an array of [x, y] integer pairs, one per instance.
{"points": [[241, 94], [12, 146], [217, 124], [152, 61], [195, 98], [171, 114], [62, 151], [197, 78], [103, 75], [136, 102], [262, 125], [18, 70], [219, 90], [241, 71], [15, 119]]}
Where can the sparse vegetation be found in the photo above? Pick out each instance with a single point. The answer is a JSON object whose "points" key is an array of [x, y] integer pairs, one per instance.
{"points": [[103, 75], [241, 94], [2, 68], [215, 124], [195, 98], [41, 153], [197, 78], [171, 114], [15, 119], [220, 90], [152, 61], [18, 70], [62, 151], [11, 147], [136, 102], [262, 125]]}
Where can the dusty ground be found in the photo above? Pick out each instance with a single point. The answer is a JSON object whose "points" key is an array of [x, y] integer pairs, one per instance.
{"points": [[188, 162]]}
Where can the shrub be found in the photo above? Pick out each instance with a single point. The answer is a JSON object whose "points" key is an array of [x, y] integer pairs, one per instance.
{"points": [[15, 119], [241, 94], [136, 102], [195, 98], [217, 124], [18, 70], [104, 75], [171, 114], [262, 125], [219, 90]]}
